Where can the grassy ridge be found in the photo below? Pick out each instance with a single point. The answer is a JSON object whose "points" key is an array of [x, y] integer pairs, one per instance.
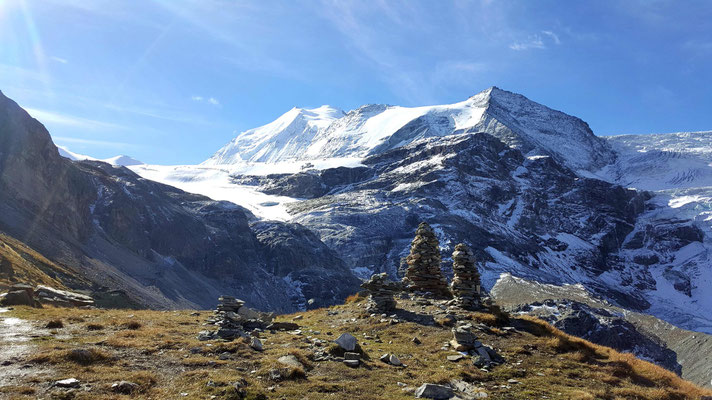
{"points": [[159, 351]]}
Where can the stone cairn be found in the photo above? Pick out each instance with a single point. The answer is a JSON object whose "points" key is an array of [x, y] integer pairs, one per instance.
{"points": [[381, 292], [423, 273], [233, 319], [465, 286], [465, 341]]}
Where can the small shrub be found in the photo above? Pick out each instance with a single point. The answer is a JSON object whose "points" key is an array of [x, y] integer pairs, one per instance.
{"points": [[355, 298], [132, 325], [55, 324], [95, 327], [86, 357]]}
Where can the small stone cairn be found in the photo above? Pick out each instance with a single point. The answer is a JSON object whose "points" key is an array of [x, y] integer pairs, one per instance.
{"points": [[381, 292], [463, 338], [423, 273], [234, 319], [465, 286], [465, 341]]}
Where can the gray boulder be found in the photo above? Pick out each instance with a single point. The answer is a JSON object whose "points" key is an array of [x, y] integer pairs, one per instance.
{"points": [[347, 342], [18, 298], [433, 391]]}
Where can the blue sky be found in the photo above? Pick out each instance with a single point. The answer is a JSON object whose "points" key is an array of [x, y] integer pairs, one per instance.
{"points": [[172, 81]]}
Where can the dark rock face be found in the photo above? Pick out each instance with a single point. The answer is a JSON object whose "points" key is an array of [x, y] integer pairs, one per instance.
{"points": [[308, 184], [138, 236], [600, 326], [546, 220]]}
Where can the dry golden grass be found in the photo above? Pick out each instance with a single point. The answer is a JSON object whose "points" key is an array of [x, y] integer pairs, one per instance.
{"points": [[28, 266], [165, 358]]}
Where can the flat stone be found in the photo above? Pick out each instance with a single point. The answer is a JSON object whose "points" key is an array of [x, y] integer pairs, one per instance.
{"points": [[347, 342], [352, 363], [68, 383], [433, 391], [455, 357], [393, 360], [352, 356]]}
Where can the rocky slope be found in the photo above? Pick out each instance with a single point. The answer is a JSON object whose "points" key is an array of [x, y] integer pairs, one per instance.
{"points": [[578, 312], [164, 247]]}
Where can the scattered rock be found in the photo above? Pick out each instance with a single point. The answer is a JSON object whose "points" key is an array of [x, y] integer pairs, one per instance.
{"points": [[416, 340], [433, 391], [352, 356], [352, 363], [124, 387], [68, 383], [347, 342], [290, 361], [393, 360], [256, 343], [455, 357]]}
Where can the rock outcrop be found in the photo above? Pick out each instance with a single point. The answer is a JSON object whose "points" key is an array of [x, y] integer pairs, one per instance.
{"points": [[26, 295]]}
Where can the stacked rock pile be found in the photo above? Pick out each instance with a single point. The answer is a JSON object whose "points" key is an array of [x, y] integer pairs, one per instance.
{"points": [[465, 284], [466, 342], [233, 320], [423, 273], [381, 292], [463, 338]]}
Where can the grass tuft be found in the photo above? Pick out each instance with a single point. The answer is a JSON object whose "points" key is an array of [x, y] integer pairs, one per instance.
{"points": [[55, 324]]}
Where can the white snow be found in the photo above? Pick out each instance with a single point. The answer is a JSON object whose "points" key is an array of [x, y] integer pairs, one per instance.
{"points": [[327, 132], [121, 160], [216, 184]]}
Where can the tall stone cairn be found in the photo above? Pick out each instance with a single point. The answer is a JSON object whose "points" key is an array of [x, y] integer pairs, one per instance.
{"points": [[423, 273], [465, 286]]}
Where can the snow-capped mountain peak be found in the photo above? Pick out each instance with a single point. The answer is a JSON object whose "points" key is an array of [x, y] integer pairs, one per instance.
{"points": [[326, 132], [120, 160], [280, 139]]}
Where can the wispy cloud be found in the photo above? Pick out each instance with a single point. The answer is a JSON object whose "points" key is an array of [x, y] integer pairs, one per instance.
{"points": [[536, 41], [70, 120], [59, 59], [553, 36], [209, 100]]}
